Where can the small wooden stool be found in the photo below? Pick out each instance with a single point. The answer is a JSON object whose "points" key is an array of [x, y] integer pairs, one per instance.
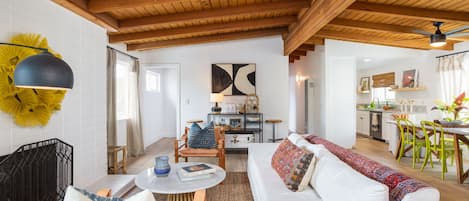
{"points": [[115, 164], [274, 122]]}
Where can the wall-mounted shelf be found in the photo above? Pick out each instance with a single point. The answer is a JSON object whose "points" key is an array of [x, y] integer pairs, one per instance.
{"points": [[408, 89]]}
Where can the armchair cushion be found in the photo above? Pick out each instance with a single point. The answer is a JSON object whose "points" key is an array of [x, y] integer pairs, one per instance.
{"points": [[201, 138], [75, 194]]}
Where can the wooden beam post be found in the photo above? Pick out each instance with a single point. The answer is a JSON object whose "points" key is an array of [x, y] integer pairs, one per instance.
{"points": [[80, 8], [306, 47], [314, 19], [203, 29], [206, 39], [213, 13], [423, 44], [298, 53], [100, 6], [410, 12]]}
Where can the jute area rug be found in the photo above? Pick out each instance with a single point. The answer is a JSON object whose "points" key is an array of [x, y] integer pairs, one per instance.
{"points": [[234, 188]]}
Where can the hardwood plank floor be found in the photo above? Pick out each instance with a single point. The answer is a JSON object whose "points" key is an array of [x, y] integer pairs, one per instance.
{"points": [[449, 189]]}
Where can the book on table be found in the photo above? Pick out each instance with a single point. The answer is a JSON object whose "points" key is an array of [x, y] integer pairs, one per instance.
{"points": [[196, 170], [192, 178]]}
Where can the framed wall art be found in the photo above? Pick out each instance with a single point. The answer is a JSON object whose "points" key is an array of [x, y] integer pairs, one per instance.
{"points": [[234, 79]]}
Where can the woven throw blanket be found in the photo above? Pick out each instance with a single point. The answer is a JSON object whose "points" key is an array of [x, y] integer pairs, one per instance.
{"points": [[398, 183]]}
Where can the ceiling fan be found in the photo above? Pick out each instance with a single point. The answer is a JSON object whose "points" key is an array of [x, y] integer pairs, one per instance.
{"points": [[438, 38]]}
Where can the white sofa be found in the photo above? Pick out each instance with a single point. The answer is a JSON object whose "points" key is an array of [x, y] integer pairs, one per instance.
{"points": [[332, 179]]}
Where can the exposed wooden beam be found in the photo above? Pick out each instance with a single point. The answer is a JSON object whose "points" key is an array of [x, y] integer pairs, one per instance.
{"points": [[298, 53], [295, 5], [370, 26], [291, 59], [315, 41], [410, 12], [314, 19], [100, 6], [204, 29], [422, 44], [206, 39], [80, 8], [306, 47], [295, 57]]}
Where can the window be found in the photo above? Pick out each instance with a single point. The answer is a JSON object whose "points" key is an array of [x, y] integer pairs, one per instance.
{"points": [[383, 94], [152, 81], [122, 89]]}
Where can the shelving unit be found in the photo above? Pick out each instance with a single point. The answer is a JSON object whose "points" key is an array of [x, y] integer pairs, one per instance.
{"points": [[239, 138], [409, 89]]}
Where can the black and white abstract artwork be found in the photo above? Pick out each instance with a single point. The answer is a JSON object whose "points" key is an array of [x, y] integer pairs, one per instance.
{"points": [[234, 79]]}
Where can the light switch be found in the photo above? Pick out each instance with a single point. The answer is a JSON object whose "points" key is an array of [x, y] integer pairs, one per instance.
{"points": [[188, 101]]}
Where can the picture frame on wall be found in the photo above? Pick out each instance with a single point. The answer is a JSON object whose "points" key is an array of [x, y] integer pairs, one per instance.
{"points": [[365, 84], [235, 123], [234, 79], [409, 79]]}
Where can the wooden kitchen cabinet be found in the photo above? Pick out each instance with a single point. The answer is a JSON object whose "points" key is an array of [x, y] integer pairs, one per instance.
{"points": [[363, 122]]}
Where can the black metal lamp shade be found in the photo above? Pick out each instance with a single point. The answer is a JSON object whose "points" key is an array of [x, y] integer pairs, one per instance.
{"points": [[437, 40], [43, 71]]}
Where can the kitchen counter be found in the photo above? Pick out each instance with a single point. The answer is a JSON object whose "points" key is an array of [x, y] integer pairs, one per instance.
{"points": [[379, 110]]}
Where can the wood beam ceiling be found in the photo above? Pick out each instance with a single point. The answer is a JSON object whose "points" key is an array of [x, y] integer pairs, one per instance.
{"points": [[80, 8], [315, 41], [314, 19], [298, 53], [415, 44], [369, 26], [207, 39], [296, 5], [100, 6], [306, 47], [203, 29], [409, 12]]}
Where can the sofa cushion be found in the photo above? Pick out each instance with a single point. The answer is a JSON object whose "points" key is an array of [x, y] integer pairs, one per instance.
{"points": [[293, 164], [266, 185], [335, 180], [201, 138], [401, 187], [75, 194], [298, 140]]}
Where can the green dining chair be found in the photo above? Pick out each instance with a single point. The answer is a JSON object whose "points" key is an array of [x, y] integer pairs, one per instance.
{"points": [[409, 137], [438, 145]]}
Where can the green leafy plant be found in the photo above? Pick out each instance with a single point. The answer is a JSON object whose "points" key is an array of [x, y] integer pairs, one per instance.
{"points": [[454, 108]]}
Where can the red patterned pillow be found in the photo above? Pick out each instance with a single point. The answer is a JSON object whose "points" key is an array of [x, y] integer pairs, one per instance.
{"points": [[294, 165]]}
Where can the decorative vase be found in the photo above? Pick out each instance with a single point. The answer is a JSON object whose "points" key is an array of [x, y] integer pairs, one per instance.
{"points": [[162, 167]]}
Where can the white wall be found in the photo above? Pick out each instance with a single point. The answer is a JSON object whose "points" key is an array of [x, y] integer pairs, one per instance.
{"points": [[310, 67], [159, 109], [82, 120], [196, 60]]}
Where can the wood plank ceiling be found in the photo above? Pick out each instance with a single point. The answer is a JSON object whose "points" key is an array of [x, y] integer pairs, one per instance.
{"points": [[152, 24]]}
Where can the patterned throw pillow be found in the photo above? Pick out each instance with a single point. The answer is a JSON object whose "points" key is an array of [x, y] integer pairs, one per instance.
{"points": [[201, 138], [294, 165]]}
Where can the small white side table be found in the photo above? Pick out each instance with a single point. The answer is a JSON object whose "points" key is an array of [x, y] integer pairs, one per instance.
{"points": [[175, 188]]}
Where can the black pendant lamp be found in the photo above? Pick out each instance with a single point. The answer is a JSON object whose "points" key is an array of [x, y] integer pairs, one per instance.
{"points": [[42, 71]]}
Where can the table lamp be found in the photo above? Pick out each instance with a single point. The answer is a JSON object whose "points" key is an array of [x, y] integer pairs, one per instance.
{"points": [[216, 98]]}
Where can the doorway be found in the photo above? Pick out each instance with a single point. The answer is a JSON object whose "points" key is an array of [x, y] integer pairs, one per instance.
{"points": [[160, 102]]}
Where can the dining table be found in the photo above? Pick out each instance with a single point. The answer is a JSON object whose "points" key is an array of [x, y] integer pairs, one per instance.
{"points": [[458, 134]]}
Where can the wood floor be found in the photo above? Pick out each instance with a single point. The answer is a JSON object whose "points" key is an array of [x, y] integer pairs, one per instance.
{"points": [[449, 189]]}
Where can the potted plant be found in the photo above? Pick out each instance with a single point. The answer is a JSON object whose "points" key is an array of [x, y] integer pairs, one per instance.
{"points": [[452, 110]]}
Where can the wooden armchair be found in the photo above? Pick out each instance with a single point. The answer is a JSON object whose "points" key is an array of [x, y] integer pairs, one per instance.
{"points": [[183, 150]]}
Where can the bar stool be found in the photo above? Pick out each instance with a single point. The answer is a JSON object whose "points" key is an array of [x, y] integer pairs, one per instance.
{"points": [[198, 121], [274, 123], [114, 164]]}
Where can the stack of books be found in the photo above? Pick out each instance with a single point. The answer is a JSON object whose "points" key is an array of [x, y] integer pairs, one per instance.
{"points": [[195, 172]]}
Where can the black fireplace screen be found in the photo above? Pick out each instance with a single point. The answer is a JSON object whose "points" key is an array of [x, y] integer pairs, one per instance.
{"points": [[39, 171]]}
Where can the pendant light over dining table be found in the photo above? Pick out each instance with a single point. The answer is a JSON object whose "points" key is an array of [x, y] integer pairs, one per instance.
{"points": [[42, 71]]}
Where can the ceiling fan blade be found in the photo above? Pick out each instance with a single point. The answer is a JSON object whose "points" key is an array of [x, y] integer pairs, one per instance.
{"points": [[457, 35], [457, 30], [425, 33]]}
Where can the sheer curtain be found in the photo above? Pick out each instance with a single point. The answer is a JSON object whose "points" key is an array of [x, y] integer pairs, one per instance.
{"points": [[111, 97], [134, 127], [453, 76]]}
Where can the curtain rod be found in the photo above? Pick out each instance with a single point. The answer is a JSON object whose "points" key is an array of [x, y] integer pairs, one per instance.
{"points": [[452, 54], [124, 53]]}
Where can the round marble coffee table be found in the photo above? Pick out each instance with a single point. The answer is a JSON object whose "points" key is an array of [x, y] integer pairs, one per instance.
{"points": [[173, 186]]}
